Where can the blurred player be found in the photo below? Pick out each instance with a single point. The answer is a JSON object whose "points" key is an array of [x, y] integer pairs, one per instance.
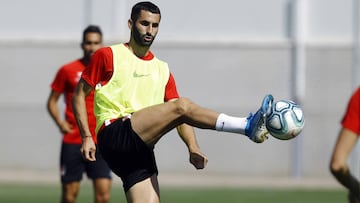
{"points": [[136, 103], [347, 139], [71, 161]]}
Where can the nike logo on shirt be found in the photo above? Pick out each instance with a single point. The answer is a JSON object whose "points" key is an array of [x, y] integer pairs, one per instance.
{"points": [[137, 75]]}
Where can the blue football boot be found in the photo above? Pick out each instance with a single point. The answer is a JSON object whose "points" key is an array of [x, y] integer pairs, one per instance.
{"points": [[255, 127]]}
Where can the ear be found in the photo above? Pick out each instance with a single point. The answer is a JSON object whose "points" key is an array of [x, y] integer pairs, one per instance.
{"points": [[130, 23]]}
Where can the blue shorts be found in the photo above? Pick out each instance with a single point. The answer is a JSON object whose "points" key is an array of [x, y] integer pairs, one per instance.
{"points": [[73, 165], [126, 154]]}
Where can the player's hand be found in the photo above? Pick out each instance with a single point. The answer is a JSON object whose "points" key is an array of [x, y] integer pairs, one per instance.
{"points": [[65, 127], [88, 149], [198, 160]]}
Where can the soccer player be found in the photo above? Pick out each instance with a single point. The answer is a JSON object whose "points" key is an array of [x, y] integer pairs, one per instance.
{"points": [[72, 164], [136, 103], [347, 139]]}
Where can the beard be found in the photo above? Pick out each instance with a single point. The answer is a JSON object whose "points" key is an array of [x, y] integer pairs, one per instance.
{"points": [[142, 40]]}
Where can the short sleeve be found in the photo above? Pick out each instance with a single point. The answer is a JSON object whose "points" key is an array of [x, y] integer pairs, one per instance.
{"points": [[171, 90], [100, 68], [351, 118], [58, 84]]}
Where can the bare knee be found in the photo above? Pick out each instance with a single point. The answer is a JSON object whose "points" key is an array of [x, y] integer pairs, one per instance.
{"points": [[337, 167], [69, 198], [102, 188], [102, 197], [70, 192], [183, 106]]}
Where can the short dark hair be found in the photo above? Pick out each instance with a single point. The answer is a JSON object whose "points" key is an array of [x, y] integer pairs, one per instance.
{"points": [[91, 28], [146, 6]]}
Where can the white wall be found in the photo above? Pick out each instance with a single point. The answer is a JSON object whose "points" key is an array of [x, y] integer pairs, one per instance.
{"points": [[329, 20], [225, 55]]}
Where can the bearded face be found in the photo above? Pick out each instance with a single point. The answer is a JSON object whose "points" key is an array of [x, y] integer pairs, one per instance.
{"points": [[145, 28], [142, 39]]}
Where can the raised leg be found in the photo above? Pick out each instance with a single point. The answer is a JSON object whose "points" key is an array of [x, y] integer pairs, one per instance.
{"points": [[153, 122]]}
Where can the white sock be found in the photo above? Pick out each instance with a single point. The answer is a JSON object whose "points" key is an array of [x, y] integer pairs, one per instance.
{"points": [[231, 124]]}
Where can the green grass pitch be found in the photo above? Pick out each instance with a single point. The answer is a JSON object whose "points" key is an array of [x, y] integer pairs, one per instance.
{"points": [[45, 193]]}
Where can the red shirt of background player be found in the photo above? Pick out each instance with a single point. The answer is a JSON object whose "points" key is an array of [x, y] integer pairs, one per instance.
{"points": [[65, 82]]}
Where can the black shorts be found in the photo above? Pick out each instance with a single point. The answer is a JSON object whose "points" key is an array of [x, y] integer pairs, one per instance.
{"points": [[73, 165], [126, 154]]}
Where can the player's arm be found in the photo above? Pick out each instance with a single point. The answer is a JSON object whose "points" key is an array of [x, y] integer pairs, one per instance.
{"points": [[54, 112], [79, 107], [345, 144], [187, 134]]}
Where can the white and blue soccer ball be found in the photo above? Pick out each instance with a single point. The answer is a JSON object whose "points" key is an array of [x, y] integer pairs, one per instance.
{"points": [[286, 120]]}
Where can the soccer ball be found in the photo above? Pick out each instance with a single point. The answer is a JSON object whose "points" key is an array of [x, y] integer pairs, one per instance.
{"points": [[286, 120]]}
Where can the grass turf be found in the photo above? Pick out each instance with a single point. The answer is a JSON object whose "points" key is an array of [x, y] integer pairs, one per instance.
{"points": [[45, 193]]}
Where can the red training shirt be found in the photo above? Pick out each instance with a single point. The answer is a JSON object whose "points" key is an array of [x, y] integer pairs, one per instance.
{"points": [[65, 82], [351, 119]]}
